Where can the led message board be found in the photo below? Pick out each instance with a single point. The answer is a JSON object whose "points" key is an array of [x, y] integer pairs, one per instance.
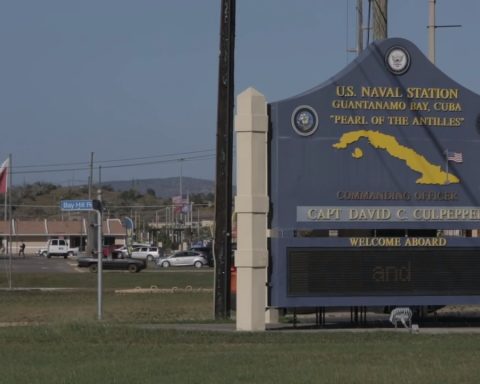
{"points": [[383, 272], [374, 271]]}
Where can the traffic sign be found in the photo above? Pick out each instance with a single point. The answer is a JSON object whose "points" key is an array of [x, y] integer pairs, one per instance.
{"points": [[76, 205]]}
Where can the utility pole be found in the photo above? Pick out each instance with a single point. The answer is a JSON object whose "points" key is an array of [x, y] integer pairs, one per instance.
{"points": [[223, 192], [90, 177], [359, 27], [380, 19], [359, 45], [180, 180], [431, 30], [91, 233], [432, 26], [8, 195]]}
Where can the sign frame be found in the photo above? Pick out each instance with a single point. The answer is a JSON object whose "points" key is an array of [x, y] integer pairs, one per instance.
{"points": [[389, 143]]}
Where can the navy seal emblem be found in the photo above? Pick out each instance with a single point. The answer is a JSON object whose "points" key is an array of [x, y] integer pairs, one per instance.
{"points": [[398, 60], [304, 120]]}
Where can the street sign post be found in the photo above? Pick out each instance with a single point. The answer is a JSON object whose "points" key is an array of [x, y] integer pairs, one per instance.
{"points": [[91, 205], [129, 225]]}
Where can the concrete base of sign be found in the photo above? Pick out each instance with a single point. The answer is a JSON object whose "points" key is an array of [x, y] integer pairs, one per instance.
{"points": [[251, 207], [251, 301], [272, 316]]}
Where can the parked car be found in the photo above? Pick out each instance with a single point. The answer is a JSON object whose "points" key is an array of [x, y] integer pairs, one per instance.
{"points": [[132, 265], [122, 252], [184, 259], [146, 253], [207, 252], [108, 249], [58, 247]]}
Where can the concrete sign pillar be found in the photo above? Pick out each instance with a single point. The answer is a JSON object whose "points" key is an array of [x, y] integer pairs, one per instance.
{"points": [[251, 207]]}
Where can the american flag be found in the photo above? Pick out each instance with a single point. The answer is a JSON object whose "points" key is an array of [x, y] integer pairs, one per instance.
{"points": [[456, 157], [181, 204]]}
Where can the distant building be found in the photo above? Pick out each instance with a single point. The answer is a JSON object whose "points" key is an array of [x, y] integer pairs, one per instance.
{"points": [[36, 233]]}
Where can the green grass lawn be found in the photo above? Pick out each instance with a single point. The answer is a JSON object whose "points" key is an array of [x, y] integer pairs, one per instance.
{"points": [[65, 307], [112, 280], [81, 304], [89, 353], [64, 343]]}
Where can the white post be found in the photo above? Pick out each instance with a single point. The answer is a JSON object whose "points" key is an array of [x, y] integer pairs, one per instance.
{"points": [[251, 207], [99, 267], [10, 221], [99, 259]]}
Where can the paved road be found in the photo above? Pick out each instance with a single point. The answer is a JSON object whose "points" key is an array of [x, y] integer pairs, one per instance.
{"points": [[35, 264]]}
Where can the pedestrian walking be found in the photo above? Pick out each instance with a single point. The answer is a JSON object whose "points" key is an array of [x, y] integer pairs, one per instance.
{"points": [[21, 251]]}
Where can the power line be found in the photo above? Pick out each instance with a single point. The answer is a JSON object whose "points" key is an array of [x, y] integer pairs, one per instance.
{"points": [[166, 155], [113, 206], [205, 157], [126, 165], [115, 160]]}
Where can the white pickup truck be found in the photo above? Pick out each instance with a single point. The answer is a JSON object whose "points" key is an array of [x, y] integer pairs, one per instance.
{"points": [[58, 247]]}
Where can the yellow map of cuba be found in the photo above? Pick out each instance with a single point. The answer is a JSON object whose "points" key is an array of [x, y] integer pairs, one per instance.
{"points": [[430, 173]]}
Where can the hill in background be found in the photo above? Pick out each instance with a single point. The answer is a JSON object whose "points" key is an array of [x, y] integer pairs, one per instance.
{"points": [[146, 197], [167, 187]]}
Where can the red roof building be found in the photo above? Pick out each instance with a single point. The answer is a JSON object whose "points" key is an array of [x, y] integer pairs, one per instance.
{"points": [[36, 233]]}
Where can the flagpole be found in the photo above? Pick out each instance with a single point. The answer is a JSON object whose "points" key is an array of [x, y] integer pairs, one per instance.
{"points": [[5, 214], [5, 208], [446, 164], [5, 218], [9, 188]]}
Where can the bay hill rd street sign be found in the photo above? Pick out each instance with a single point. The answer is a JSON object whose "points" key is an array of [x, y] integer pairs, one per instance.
{"points": [[77, 205]]}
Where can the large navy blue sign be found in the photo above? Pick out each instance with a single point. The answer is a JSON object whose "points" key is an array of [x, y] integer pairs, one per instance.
{"points": [[389, 142]]}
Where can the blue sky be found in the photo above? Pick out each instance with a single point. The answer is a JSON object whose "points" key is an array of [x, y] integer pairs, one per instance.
{"points": [[136, 81]]}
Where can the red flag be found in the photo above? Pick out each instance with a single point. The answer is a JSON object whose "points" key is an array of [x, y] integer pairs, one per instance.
{"points": [[4, 176]]}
